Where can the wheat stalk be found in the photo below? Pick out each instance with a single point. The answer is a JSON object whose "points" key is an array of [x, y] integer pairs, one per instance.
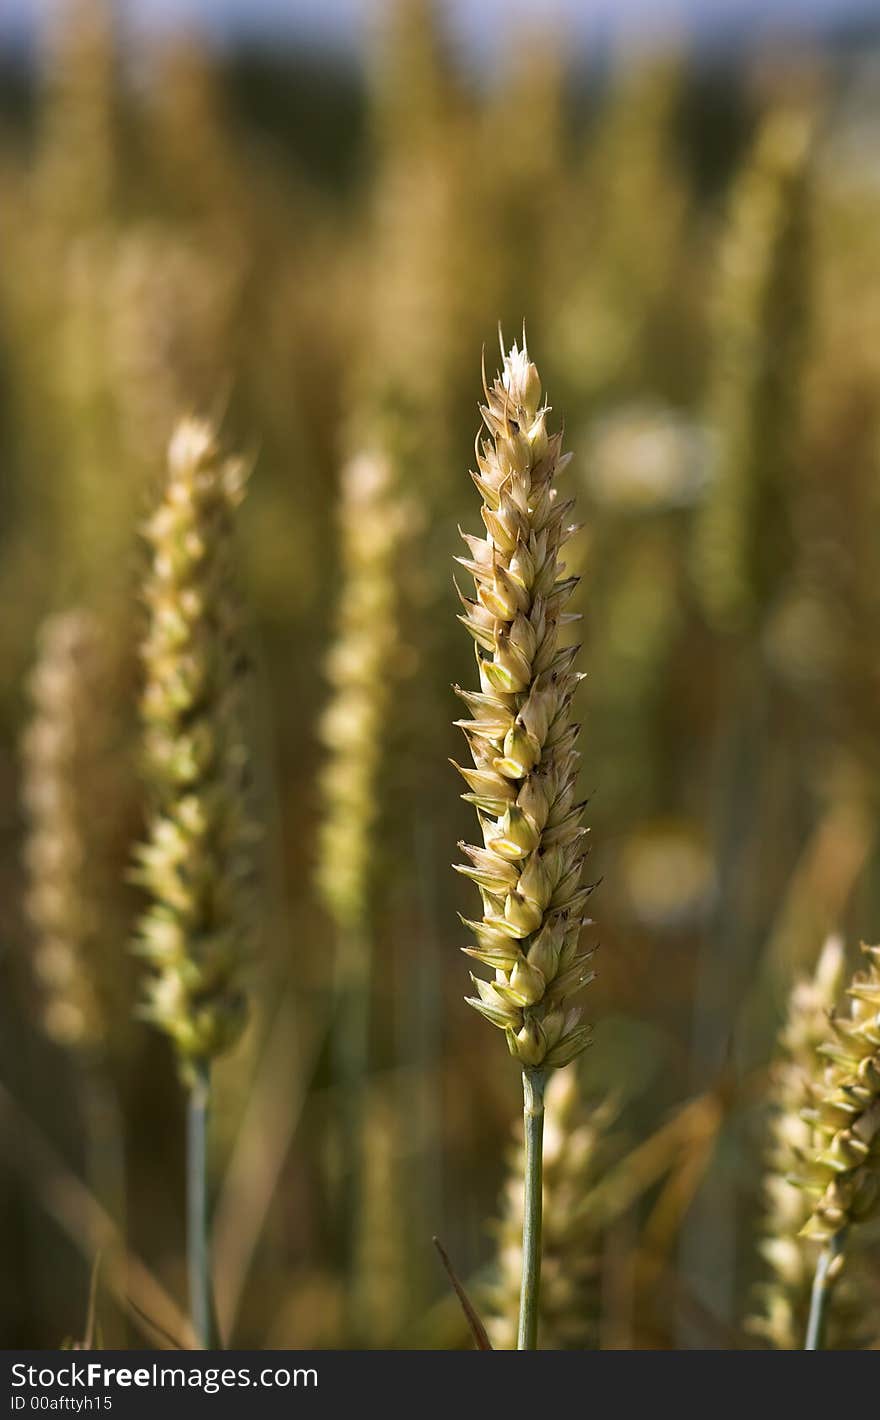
{"points": [[353, 730], [524, 781], [753, 402], [576, 1153], [195, 863]]}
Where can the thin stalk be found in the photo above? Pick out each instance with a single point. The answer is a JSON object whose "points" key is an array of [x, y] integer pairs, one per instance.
{"points": [[823, 1282], [198, 1240], [533, 1207], [105, 1157], [352, 1053], [104, 1140]]}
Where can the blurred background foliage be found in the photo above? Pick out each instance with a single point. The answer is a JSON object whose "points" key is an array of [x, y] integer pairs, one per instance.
{"points": [[315, 252]]}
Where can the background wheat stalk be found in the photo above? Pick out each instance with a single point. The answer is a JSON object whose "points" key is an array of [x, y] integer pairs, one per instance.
{"points": [[62, 750], [359, 670], [524, 781], [744, 531], [73, 755], [195, 863]]}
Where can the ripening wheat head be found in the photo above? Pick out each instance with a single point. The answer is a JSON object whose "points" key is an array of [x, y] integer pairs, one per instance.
{"points": [[845, 1171], [521, 737], [195, 863], [783, 1300], [371, 525], [65, 751]]}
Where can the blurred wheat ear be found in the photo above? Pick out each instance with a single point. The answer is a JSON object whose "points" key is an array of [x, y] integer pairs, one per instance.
{"points": [[354, 729], [755, 394], [64, 750], [196, 863], [73, 756]]}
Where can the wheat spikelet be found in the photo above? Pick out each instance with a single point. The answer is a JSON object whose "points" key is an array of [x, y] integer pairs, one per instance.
{"points": [[523, 784], [576, 1153], [195, 862], [783, 1300], [759, 338], [71, 762], [844, 1174]]}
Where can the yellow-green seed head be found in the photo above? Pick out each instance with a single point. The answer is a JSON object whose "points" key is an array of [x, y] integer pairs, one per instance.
{"points": [[71, 761], [195, 863], [782, 1301], [371, 520], [845, 1170], [521, 738]]}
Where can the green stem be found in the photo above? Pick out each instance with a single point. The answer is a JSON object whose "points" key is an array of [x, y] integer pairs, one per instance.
{"points": [[352, 1053], [533, 1206], [198, 1241], [823, 1282]]}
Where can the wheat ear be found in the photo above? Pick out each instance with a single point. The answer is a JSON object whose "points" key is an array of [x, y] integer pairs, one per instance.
{"points": [[195, 863], [353, 730], [74, 756], [844, 1173], [760, 329], [63, 750], [524, 781], [783, 1300]]}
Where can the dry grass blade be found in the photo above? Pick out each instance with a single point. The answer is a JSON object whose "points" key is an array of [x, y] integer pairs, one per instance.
{"points": [[264, 1138], [89, 1226], [477, 1329]]}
